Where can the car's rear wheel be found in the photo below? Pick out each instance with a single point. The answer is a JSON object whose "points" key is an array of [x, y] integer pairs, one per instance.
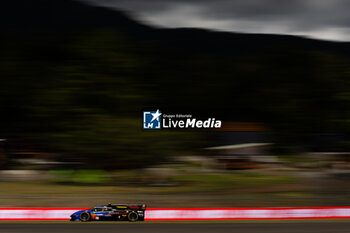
{"points": [[133, 216], [85, 216]]}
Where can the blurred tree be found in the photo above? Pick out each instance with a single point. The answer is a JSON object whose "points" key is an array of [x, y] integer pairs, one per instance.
{"points": [[82, 93], [87, 109]]}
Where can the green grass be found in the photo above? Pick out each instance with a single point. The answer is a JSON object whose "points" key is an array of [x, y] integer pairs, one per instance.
{"points": [[192, 188], [80, 176], [216, 182]]}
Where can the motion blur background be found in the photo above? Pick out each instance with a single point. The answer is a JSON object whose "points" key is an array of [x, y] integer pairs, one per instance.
{"points": [[75, 78]]}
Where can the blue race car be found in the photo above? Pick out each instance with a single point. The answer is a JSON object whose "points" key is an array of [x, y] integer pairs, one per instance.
{"points": [[111, 212]]}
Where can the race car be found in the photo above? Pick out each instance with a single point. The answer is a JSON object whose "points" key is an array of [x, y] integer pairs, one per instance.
{"points": [[111, 212]]}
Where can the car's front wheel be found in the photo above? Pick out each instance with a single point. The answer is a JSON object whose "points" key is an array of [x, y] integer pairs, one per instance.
{"points": [[85, 216]]}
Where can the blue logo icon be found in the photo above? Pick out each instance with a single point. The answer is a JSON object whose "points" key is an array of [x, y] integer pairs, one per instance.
{"points": [[151, 120]]}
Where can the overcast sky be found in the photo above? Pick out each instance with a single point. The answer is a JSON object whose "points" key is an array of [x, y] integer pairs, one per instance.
{"points": [[323, 19]]}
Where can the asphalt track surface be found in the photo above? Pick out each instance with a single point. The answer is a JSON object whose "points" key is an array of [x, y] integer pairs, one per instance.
{"points": [[179, 227]]}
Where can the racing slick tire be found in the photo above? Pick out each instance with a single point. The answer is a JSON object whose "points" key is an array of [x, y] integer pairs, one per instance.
{"points": [[133, 216], [85, 217]]}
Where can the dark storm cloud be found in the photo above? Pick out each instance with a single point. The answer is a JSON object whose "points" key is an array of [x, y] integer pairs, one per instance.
{"points": [[327, 19], [226, 7]]}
